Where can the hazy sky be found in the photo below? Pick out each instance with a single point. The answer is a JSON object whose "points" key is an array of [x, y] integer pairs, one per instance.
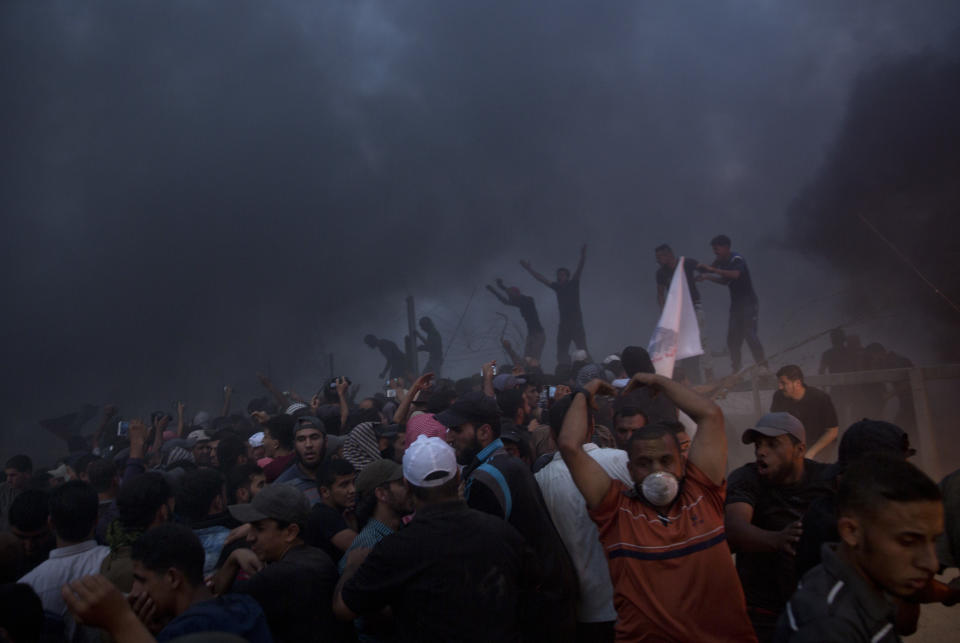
{"points": [[194, 191]]}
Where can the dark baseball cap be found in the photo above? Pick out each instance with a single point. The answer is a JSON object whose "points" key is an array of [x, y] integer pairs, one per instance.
{"points": [[309, 422], [281, 502], [867, 436], [773, 424], [377, 473], [472, 407]]}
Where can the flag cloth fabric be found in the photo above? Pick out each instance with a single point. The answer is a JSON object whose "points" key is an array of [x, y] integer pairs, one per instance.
{"points": [[677, 335]]}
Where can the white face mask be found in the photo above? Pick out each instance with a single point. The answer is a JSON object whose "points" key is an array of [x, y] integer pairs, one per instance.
{"points": [[660, 488]]}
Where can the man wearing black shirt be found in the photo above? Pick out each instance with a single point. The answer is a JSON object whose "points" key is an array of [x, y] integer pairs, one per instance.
{"points": [[568, 301], [812, 407], [453, 574], [432, 345], [497, 483], [766, 500], [664, 276], [536, 338], [290, 580], [396, 359], [730, 269], [326, 526]]}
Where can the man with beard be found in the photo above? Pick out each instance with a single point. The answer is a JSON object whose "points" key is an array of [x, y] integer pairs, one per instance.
{"points": [[673, 577], [292, 581], [890, 514], [309, 443], [499, 484], [766, 500]]}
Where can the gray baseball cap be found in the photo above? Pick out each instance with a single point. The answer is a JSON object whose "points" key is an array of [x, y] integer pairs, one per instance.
{"points": [[281, 502], [773, 424]]}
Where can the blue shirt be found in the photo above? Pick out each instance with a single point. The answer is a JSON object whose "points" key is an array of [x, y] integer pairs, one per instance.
{"points": [[232, 613], [741, 288], [294, 476], [372, 533]]}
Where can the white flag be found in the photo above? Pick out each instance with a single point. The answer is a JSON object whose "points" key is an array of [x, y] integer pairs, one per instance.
{"points": [[677, 335]]}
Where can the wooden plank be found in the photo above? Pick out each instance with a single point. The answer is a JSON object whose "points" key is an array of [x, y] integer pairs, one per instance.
{"points": [[944, 371], [755, 383], [927, 448]]}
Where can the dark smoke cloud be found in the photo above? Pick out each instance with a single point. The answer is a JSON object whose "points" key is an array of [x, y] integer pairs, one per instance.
{"points": [[895, 163], [194, 191]]}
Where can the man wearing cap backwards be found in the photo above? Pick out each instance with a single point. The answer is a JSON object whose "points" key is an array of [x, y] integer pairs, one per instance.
{"points": [[889, 516], [453, 573], [766, 501], [292, 581], [309, 443], [673, 577], [201, 445], [497, 483]]}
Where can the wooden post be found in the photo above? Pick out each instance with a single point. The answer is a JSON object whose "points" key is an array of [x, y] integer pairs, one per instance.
{"points": [[412, 329], [755, 383], [926, 447]]}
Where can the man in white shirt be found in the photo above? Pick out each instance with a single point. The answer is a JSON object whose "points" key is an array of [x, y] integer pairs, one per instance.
{"points": [[596, 615], [73, 516]]}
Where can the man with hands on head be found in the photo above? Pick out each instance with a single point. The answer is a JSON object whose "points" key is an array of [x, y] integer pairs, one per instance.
{"points": [[672, 573]]}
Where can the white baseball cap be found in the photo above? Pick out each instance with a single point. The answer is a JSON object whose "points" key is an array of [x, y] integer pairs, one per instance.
{"points": [[256, 440], [429, 462]]}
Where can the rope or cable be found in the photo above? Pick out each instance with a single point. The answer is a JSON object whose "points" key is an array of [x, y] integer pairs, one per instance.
{"points": [[909, 263], [460, 322]]}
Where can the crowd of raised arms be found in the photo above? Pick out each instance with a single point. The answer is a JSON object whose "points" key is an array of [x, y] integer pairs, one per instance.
{"points": [[591, 504]]}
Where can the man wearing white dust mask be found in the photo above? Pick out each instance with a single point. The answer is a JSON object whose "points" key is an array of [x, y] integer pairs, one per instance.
{"points": [[673, 576]]}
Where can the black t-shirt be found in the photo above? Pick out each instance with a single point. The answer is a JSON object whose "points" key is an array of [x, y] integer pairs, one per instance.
{"points": [[323, 523], [396, 358], [453, 574], [769, 578], [665, 275], [815, 410], [741, 289], [434, 345], [296, 594], [568, 301], [528, 310]]}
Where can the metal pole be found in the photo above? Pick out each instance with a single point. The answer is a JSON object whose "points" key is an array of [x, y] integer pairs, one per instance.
{"points": [[927, 448], [412, 329]]}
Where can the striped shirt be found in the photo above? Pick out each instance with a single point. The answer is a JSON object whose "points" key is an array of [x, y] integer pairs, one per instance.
{"points": [[372, 533]]}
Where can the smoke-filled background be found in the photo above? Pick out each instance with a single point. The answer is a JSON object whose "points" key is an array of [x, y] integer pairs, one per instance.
{"points": [[195, 191]]}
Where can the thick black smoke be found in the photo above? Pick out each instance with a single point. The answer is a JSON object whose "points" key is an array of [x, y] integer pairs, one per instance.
{"points": [[896, 163]]}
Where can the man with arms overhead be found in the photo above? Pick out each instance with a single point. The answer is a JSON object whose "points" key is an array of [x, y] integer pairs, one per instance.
{"points": [[673, 576], [568, 301]]}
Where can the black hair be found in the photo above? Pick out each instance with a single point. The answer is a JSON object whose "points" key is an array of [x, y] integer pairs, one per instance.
{"points": [[197, 491], [366, 505], [73, 510], [627, 411], [229, 450], [636, 359], [265, 404], [102, 474], [877, 478], [655, 432], [82, 464], [720, 240], [21, 463], [448, 490], [30, 509], [171, 545], [281, 430], [21, 612], [331, 470], [663, 248], [139, 499], [239, 476], [440, 400], [792, 372], [510, 401], [370, 340]]}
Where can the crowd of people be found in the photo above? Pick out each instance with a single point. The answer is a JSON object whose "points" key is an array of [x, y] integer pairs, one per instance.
{"points": [[593, 504]]}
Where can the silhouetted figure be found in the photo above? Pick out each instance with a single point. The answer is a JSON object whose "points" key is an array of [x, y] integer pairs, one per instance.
{"points": [[396, 359], [730, 269], [568, 301], [536, 337], [433, 345]]}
